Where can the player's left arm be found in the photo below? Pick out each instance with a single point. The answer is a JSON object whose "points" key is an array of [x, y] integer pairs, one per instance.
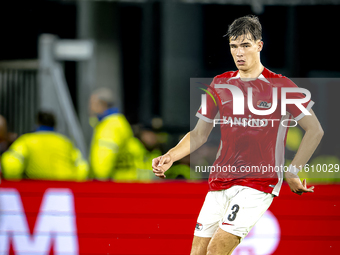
{"points": [[309, 143]]}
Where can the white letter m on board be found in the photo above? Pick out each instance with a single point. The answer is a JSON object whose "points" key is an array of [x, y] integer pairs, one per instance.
{"points": [[55, 223]]}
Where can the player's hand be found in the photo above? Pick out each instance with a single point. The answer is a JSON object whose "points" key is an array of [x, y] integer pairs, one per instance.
{"points": [[295, 184], [161, 164]]}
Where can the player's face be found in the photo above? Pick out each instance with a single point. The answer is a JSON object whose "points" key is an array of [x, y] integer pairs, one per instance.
{"points": [[245, 51]]}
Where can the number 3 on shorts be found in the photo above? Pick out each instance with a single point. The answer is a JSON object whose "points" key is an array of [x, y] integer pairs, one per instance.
{"points": [[232, 216]]}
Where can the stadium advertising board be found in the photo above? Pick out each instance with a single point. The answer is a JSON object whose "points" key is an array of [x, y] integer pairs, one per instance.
{"points": [[135, 218]]}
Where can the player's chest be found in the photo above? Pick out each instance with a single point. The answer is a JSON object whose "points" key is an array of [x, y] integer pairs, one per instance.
{"points": [[257, 94]]}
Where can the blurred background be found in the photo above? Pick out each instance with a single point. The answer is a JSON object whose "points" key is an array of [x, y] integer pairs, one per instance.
{"points": [[93, 90], [56, 53]]}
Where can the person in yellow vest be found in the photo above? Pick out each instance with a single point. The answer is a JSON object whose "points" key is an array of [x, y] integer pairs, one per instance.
{"points": [[44, 155], [6, 137], [3, 135], [115, 153]]}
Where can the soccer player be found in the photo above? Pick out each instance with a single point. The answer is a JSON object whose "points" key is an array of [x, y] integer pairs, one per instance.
{"points": [[237, 199]]}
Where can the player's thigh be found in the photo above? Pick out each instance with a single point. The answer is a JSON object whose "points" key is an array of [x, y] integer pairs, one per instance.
{"points": [[199, 245], [222, 243], [207, 222], [210, 215]]}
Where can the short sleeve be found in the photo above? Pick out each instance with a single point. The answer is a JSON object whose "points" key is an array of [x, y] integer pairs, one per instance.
{"points": [[292, 108], [211, 105]]}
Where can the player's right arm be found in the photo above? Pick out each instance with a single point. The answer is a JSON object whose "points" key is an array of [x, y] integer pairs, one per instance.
{"points": [[190, 142]]}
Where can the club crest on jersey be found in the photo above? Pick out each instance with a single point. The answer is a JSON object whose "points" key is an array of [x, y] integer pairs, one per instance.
{"points": [[263, 104], [199, 226]]}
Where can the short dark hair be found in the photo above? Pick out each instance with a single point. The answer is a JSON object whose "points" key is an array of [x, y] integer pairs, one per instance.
{"points": [[46, 119], [249, 24]]}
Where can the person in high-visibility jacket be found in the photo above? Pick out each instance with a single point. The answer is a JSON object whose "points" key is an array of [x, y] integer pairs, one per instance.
{"points": [[44, 155], [115, 153]]}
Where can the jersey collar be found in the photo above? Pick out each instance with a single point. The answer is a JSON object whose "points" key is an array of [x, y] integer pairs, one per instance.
{"points": [[44, 128], [261, 77], [108, 112]]}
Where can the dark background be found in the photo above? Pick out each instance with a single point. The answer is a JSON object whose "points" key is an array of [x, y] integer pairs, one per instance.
{"points": [[182, 41]]}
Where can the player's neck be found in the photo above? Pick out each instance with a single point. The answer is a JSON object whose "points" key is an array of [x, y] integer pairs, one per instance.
{"points": [[251, 73]]}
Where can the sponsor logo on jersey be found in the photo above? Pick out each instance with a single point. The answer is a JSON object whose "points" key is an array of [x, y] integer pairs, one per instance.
{"points": [[199, 226], [263, 104], [250, 122], [244, 121]]}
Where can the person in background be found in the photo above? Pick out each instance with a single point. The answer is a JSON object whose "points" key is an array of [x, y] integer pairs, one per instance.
{"points": [[115, 153], [6, 138], [152, 146], [44, 155], [3, 135]]}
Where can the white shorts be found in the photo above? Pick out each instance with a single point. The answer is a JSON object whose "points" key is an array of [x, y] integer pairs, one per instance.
{"points": [[235, 210]]}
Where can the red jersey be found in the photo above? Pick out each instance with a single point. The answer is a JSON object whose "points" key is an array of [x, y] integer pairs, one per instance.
{"points": [[252, 147]]}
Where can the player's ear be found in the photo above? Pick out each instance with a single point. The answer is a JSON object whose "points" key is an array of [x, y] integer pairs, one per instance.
{"points": [[259, 45]]}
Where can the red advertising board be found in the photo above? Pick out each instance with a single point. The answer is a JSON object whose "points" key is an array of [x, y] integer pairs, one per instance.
{"points": [[39, 217]]}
